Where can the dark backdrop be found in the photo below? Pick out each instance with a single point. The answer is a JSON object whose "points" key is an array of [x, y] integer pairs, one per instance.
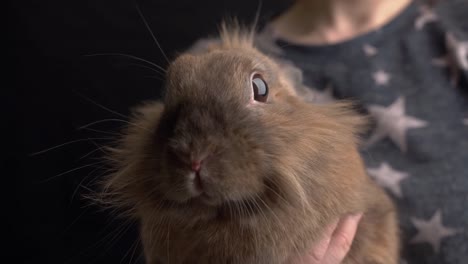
{"points": [[47, 90]]}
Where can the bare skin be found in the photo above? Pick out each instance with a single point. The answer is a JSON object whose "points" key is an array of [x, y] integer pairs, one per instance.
{"points": [[336, 243], [320, 22]]}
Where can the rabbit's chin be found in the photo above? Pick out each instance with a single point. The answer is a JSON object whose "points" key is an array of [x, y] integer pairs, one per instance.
{"points": [[205, 207]]}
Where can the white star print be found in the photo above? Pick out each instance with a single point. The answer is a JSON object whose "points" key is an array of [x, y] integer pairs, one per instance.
{"points": [[381, 77], [369, 50], [431, 231], [426, 16], [388, 177], [459, 50], [393, 123]]}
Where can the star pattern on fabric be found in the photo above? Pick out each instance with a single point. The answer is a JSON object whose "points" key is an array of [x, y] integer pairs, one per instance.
{"points": [[369, 50], [459, 51], [426, 16], [389, 178], [447, 61], [455, 59], [431, 231], [392, 122], [381, 77]]}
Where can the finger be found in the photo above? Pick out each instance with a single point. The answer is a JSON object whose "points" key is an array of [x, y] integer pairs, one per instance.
{"points": [[341, 240], [315, 255], [319, 250]]}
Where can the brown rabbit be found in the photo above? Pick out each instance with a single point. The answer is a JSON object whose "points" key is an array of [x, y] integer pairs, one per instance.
{"points": [[235, 167]]}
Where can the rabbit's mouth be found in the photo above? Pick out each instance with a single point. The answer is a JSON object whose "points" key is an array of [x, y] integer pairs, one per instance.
{"points": [[222, 210], [247, 207]]}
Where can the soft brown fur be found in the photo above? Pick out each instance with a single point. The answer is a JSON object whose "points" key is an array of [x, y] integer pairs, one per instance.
{"points": [[277, 173]]}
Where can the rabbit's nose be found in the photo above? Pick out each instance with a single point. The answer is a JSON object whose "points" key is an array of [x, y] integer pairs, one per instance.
{"points": [[197, 181], [196, 165]]}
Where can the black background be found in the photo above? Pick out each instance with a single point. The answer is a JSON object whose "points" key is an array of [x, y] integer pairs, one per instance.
{"points": [[45, 86]]}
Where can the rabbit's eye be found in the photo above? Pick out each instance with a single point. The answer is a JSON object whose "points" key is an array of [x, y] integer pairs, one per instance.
{"points": [[260, 88]]}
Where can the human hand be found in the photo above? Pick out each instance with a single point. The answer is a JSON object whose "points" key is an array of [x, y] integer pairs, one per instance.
{"points": [[335, 244]]}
